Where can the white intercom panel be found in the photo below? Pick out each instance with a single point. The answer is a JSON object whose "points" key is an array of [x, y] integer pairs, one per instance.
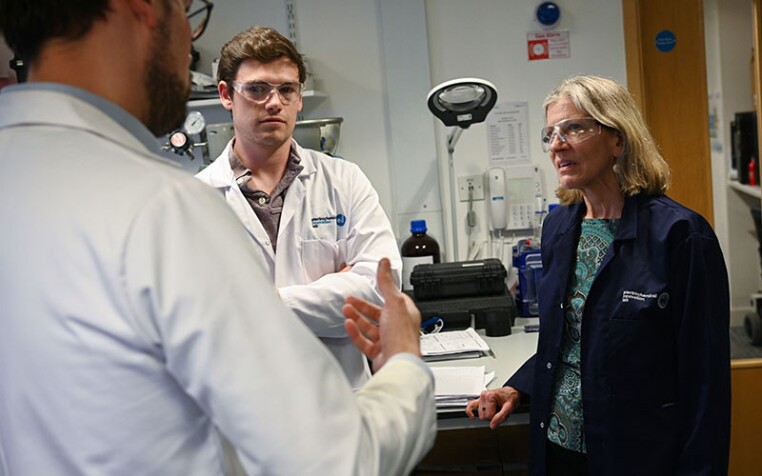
{"points": [[522, 187]]}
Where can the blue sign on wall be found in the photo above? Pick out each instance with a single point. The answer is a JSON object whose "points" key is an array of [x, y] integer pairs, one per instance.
{"points": [[665, 41]]}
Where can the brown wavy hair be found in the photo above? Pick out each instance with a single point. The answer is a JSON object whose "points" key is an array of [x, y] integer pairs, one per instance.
{"points": [[263, 44]]}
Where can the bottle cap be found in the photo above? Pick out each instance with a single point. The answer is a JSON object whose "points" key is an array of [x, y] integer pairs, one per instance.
{"points": [[418, 226]]}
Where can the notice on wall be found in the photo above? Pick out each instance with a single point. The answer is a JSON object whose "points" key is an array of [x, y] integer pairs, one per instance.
{"points": [[507, 134], [542, 45]]}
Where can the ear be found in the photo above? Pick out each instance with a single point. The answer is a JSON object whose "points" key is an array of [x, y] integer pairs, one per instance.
{"points": [[225, 99], [145, 10], [617, 144]]}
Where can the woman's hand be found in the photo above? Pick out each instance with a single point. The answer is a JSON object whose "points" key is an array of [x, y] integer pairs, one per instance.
{"points": [[494, 405]]}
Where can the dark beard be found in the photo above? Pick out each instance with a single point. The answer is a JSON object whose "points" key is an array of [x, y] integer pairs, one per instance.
{"points": [[167, 93]]}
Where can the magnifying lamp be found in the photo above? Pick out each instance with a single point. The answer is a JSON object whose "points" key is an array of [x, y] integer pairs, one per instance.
{"points": [[460, 103]]}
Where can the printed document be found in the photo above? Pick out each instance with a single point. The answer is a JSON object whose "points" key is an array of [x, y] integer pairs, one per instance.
{"points": [[453, 344]]}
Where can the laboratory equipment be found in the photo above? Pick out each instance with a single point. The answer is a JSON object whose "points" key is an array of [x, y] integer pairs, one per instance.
{"points": [[459, 279], [743, 131], [319, 134], [459, 102], [316, 134], [465, 294], [419, 248], [527, 259], [218, 136], [753, 321], [180, 142]]}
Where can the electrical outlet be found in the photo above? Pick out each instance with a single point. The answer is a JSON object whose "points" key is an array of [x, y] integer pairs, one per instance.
{"points": [[474, 182]]}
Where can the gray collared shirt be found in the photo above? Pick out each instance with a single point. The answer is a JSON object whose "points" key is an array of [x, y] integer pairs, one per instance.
{"points": [[268, 208]]}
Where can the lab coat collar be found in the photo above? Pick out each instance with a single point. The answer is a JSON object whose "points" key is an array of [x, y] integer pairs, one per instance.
{"points": [[627, 227], [307, 161], [220, 175], [60, 104]]}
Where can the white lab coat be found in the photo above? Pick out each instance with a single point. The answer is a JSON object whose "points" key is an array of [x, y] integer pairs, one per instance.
{"points": [[314, 241], [129, 335]]}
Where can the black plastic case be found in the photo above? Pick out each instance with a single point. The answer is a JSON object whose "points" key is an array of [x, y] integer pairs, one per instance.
{"points": [[463, 278]]}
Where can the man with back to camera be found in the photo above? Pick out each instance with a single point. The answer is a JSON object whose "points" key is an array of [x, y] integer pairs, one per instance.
{"points": [[315, 220], [126, 342]]}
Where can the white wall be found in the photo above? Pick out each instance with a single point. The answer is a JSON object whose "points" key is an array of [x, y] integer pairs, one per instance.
{"points": [[373, 58], [232, 16], [487, 39]]}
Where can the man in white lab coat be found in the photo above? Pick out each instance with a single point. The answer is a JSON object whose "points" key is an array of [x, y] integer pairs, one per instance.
{"points": [[315, 220], [129, 338]]}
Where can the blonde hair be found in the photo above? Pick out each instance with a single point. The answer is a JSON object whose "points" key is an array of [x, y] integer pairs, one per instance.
{"points": [[640, 168]]}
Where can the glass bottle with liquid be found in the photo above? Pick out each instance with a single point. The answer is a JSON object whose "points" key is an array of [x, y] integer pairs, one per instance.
{"points": [[419, 248]]}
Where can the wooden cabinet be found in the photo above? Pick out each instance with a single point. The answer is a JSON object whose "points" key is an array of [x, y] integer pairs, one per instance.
{"points": [[746, 422], [478, 451]]}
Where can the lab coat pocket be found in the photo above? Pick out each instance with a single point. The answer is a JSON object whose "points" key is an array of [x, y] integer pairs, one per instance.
{"points": [[644, 426], [641, 359], [319, 257]]}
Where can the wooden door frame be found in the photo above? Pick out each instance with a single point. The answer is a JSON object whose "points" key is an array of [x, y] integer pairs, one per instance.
{"points": [[670, 89], [757, 30]]}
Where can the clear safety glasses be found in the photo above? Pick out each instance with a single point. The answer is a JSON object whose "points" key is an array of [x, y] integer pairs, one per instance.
{"points": [[260, 91], [198, 17], [571, 131]]}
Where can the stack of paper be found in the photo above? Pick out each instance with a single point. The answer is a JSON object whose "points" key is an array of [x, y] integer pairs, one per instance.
{"points": [[455, 386], [453, 345]]}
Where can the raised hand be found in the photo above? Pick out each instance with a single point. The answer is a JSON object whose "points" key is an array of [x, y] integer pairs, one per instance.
{"points": [[381, 332]]}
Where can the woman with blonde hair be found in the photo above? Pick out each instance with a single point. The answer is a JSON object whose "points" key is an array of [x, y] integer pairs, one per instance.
{"points": [[632, 369]]}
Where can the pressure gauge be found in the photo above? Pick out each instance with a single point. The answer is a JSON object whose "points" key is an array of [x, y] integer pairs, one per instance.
{"points": [[179, 141], [194, 122]]}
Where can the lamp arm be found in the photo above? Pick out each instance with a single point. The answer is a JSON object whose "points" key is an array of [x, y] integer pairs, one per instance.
{"points": [[453, 137]]}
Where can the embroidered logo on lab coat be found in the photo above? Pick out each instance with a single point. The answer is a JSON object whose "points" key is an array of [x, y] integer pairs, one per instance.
{"points": [[339, 219], [661, 299], [628, 296]]}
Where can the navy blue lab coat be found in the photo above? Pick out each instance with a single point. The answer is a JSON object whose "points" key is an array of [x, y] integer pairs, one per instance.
{"points": [[655, 361]]}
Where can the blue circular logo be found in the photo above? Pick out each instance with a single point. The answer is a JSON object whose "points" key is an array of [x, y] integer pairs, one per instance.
{"points": [[665, 41], [340, 219]]}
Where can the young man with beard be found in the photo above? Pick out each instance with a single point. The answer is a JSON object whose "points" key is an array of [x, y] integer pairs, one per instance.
{"points": [[314, 220], [128, 336]]}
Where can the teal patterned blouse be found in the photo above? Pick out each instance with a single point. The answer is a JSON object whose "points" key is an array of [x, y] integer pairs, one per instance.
{"points": [[566, 426]]}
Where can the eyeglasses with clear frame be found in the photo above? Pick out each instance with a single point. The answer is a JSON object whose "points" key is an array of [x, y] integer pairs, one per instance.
{"points": [[260, 91], [571, 131], [198, 17]]}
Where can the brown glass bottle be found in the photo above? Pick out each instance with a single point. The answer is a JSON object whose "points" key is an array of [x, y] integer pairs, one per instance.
{"points": [[419, 248]]}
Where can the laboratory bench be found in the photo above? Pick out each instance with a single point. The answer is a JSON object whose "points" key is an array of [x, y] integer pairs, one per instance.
{"points": [[469, 447], [508, 353], [466, 446]]}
